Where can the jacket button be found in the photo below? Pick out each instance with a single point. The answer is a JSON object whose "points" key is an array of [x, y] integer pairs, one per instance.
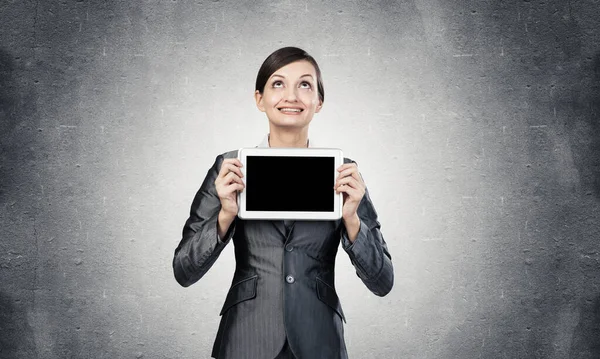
{"points": [[289, 248], [289, 279]]}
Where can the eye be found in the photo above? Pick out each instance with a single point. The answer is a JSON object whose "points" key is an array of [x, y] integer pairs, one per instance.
{"points": [[277, 84], [305, 85]]}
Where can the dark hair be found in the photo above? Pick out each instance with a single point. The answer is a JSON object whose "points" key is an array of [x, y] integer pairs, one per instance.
{"points": [[282, 57]]}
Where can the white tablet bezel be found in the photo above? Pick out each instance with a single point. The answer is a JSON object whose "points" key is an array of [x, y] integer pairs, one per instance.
{"points": [[336, 153]]}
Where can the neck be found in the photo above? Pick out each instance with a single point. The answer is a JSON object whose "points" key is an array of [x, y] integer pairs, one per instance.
{"points": [[288, 139]]}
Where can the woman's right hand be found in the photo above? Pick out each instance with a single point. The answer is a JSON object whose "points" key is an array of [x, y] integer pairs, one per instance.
{"points": [[228, 182]]}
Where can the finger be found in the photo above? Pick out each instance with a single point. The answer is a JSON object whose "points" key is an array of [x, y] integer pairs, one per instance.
{"points": [[349, 180], [346, 165], [348, 190], [355, 185], [228, 179], [234, 161], [340, 181], [348, 173], [351, 190], [228, 168], [358, 177], [232, 188], [351, 171], [234, 168], [343, 183], [358, 183], [233, 177]]}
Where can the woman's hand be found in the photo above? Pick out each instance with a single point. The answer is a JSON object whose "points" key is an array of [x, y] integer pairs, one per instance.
{"points": [[228, 182], [350, 182]]}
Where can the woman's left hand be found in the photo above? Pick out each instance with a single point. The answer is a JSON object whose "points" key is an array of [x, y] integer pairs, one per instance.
{"points": [[350, 182]]}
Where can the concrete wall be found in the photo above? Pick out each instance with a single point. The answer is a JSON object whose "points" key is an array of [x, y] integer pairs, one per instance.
{"points": [[475, 125]]}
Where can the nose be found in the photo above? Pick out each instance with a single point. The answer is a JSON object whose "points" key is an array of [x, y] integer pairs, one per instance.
{"points": [[290, 94]]}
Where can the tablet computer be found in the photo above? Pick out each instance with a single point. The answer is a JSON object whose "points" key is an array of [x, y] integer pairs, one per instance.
{"points": [[290, 183]]}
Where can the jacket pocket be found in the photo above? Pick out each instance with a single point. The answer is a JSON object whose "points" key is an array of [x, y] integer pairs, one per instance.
{"points": [[243, 290], [327, 295]]}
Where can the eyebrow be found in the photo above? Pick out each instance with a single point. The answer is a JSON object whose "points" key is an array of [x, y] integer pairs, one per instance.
{"points": [[305, 75]]}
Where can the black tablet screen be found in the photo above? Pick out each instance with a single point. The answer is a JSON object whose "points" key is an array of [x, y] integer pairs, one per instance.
{"points": [[290, 183]]}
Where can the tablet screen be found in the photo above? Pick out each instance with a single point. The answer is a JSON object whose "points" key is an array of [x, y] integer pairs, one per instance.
{"points": [[284, 183]]}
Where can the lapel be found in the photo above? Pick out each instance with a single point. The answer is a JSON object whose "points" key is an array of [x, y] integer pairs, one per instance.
{"points": [[280, 226]]}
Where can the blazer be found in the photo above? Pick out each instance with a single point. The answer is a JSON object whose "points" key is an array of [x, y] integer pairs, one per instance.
{"points": [[283, 284]]}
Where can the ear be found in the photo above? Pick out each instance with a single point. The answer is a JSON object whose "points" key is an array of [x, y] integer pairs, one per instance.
{"points": [[319, 106], [258, 97]]}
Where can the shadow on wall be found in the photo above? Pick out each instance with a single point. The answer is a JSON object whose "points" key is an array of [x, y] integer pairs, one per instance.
{"points": [[586, 146], [16, 335], [595, 123], [586, 154], [542, 323], [17, 109], [586, 342], [7, 115]]}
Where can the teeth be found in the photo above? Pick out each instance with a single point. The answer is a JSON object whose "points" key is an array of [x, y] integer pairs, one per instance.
{"points": [[290, 110]]}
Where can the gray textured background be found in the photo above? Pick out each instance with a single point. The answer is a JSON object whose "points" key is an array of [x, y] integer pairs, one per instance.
{"points": [[474, 123]]}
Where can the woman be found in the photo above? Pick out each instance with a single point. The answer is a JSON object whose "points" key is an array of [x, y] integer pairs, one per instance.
{"points": [[282, 302]]}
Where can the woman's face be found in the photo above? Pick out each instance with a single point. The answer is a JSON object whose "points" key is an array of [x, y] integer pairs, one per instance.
{"points": [[290, 97]]}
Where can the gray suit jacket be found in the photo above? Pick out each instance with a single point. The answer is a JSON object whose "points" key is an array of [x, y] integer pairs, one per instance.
{"points": [[283, 283]]}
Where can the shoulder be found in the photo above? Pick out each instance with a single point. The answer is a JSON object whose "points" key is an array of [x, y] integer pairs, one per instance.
{"points": [[221, 157], [349, 160], [229, 154]]}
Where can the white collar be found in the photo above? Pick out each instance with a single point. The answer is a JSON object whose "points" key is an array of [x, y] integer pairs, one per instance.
{"points": [[265, 142]]}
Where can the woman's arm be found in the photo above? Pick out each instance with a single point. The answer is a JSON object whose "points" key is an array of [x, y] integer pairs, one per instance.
{"points": [[201, 245], [368, 252]]}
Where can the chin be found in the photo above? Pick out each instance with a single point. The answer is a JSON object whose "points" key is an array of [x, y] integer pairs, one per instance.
{"points": [[286, 122], [294, 123]]}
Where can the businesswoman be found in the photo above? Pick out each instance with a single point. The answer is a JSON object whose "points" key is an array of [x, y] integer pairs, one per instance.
{"points": [[282, 302]]}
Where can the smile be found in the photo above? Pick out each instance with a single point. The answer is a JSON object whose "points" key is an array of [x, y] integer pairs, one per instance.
{"points": [[288, 109]]}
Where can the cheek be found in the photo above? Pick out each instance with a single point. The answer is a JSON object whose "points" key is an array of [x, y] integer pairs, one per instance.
{"points": [[315, 102], [272, 100], [310, 99]]}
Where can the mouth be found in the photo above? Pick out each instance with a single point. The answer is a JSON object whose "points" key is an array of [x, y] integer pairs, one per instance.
{"points": [[290, 110]]}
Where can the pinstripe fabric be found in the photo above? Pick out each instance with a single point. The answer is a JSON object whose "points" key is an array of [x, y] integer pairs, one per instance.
{"points": [[283, 284]]}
